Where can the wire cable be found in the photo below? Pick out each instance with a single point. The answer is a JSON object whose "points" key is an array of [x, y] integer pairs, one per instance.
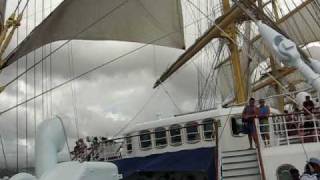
{"points": [[96, 68], [73, 37]]}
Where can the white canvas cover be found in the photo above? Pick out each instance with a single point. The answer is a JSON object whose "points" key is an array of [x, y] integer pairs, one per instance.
{"points": [[302, 26], [145, 21]]}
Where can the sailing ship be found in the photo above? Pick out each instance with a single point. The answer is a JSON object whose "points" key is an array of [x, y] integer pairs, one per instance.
{"points": [[240, 57]]}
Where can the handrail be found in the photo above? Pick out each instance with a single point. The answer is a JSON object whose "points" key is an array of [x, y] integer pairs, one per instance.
{"points": [[258, 146], [217, 156], [292, 129]]}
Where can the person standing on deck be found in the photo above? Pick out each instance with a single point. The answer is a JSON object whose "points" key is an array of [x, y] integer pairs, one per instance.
{"points": [[309, 128], [264, 112], [249, 113]]}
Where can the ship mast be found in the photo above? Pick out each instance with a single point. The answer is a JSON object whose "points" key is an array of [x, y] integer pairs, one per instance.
{"points": [[274, 66], [240, 90]]}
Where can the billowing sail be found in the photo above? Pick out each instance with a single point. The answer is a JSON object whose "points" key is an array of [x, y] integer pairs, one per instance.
{"points": [[145, 21]]}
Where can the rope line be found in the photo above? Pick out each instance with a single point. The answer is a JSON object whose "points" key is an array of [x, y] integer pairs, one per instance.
{"points": [[73, 37], [96, 68]]}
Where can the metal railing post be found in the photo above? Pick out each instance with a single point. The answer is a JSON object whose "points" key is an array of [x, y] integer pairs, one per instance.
{"points": [[315, 127], [286, 129], [217, 156], [258, 145]]}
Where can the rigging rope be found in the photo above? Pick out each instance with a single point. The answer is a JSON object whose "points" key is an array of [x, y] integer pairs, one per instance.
{"points": [[137, 114], [42, 68], [34, 77], [95, 68], [271, 76], [26, 96], [4, 153], [17, 111], [50, 62], [73, 91], [259, 54], [89, 26]]}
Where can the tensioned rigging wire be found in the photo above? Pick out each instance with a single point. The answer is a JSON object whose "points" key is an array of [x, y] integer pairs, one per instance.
{"points": [[73, 91], [17, 109], [26, 96], [4, 153], [17, 7], [137, 114], [171, 98], [200, 69], [269, 74], [155, 74], [147, 102], [50, 62], [42, 68], [284, 88], [198, 8], [98, 67], [89, 26], [91, 70], [34, 76]]}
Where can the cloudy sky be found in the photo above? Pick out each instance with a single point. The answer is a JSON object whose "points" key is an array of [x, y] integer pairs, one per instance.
{"points": [[102, 102]]}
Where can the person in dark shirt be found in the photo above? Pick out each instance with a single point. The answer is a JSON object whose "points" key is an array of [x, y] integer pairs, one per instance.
{"points": [[294, 173], [308, 107], [250, 112]]}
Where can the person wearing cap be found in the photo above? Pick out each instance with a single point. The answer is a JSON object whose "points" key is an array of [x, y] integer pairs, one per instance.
{"points": [[312, 170], [264, 112]]}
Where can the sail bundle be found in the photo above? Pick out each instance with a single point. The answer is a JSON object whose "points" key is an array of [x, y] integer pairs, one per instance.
{"points": [[302, 25], [143, 21]]}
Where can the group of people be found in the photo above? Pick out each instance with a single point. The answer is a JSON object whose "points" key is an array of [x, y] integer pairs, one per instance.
{"points": [[82, 151], [292, 122], [79, 150], [250, 112], [304, 127]]}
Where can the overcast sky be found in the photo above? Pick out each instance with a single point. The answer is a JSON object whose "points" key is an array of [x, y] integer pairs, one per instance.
{"points": [[102, 101]]}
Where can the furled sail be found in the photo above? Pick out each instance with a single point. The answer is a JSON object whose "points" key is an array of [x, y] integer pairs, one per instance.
{"points": [[144, 21], [302, 25]]}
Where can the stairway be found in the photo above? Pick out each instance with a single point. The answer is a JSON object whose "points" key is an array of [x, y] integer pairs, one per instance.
{"points": [[240, 165]]}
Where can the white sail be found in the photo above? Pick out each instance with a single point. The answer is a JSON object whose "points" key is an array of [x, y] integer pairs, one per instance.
{"points": [[144, 21]]}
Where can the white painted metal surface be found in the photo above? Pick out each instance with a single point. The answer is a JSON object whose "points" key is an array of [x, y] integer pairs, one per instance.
{"points": [[287, 52], [49, 142]]}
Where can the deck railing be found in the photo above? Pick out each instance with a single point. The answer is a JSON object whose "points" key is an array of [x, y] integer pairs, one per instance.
{"points": [[293, 128]]}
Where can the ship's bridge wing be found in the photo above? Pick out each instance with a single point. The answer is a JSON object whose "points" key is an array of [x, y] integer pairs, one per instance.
{"points": [[143, 21]]}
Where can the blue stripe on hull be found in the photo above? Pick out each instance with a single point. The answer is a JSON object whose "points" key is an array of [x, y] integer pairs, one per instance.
{"points": [[188, 161]]}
